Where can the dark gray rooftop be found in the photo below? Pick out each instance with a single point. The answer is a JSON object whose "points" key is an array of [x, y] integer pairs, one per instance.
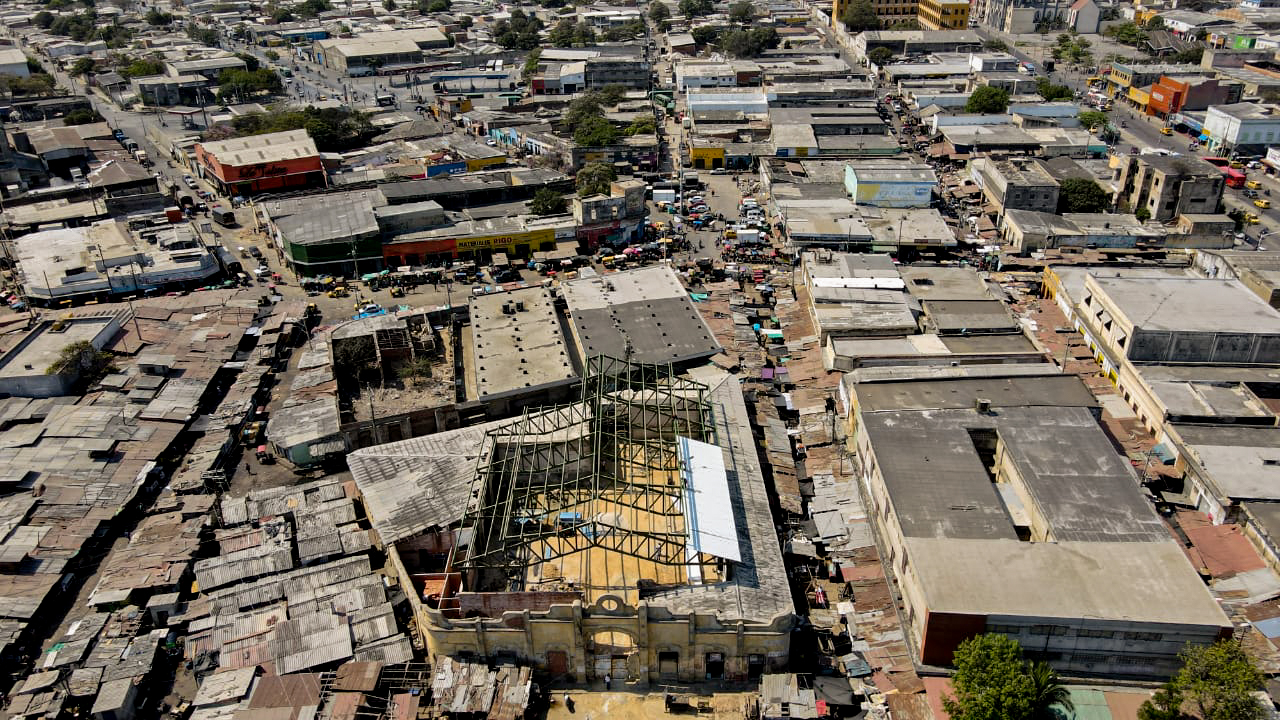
{"points": [[975, 315], [940, 489], [643, 314], [1049, 389]]}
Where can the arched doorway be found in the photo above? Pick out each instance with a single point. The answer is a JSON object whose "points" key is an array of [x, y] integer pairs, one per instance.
{"points": [[612, 653]]}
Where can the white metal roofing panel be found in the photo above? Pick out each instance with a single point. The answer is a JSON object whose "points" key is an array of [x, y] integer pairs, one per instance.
{"points": [[708, 508], [860, 282]]}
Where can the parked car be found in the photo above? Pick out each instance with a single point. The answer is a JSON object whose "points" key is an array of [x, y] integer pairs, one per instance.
{"points": [[190, 181], [719, 171]]}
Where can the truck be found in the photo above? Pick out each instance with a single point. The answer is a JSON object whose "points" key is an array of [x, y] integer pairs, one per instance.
{"points": [[748, 236], [141, 157], [664, 196]]}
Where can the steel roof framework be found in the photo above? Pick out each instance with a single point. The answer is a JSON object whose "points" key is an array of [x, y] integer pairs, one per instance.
{"points": [[617, 445]]}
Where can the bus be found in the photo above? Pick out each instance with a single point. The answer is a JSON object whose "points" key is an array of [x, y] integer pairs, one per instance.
{"points": [[1235, 178]]}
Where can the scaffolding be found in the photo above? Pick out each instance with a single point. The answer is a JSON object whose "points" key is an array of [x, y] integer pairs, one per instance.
{"points": [[601, 473]]}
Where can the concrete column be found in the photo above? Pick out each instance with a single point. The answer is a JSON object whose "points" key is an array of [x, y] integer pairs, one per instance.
{"points": [[642, 643]]}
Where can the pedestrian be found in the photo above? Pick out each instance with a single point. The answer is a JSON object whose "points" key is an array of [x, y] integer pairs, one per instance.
{"points": [[248, 468], [608, 681]]}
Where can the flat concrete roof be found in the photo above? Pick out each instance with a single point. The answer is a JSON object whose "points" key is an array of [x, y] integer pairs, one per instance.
{"points": [[945, 283], [43, 346], [1191, 305], [644, 314], [969, 315], [516, 342], [1045, 389], [1148, 582], [1240, 460]]}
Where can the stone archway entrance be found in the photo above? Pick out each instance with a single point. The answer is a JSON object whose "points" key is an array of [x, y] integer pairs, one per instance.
{"points": [[613, 654]]}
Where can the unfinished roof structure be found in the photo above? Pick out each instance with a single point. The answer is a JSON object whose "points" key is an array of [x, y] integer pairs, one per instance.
{"points": [[646, 490]]}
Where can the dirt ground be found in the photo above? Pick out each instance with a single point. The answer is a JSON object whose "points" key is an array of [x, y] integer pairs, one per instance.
{"points": [[640, 705]]}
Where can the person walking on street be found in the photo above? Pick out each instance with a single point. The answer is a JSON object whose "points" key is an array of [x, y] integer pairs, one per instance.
{"points": [[608, 681]]}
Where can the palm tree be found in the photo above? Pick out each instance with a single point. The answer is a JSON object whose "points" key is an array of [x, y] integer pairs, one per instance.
{"points": [[1050, 693]]}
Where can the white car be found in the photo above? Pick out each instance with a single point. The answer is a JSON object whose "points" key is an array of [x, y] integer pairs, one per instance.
{"points": [[190, 181], [699, 208], [719, 171]]}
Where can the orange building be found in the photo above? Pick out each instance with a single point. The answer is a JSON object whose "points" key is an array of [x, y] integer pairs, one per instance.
{"points": [[261, 163]]}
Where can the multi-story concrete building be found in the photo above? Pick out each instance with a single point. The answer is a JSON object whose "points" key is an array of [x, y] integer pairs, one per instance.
{"points": [[1003, 507], [1174, 94], [1167, 186], [1019, 184], [1242, 127], [944, 14], [889, 11]]}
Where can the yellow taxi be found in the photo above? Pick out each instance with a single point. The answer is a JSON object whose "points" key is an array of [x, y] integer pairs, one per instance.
{"points": [[1264, 204], [1237, 164], [1253, 185], [1094, 129], [1250, 219], [1166, 131]]}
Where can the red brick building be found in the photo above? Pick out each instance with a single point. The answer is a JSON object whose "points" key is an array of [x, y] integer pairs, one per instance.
{"points": [[261, 163]]}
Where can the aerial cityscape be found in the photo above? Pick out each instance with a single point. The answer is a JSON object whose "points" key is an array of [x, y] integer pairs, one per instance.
{"points": [[745, 359]]}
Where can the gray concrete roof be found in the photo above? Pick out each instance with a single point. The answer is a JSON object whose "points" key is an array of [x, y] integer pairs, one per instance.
{"points": [[1191, 305], [644, 313], [517, 342], [1240, 461]]}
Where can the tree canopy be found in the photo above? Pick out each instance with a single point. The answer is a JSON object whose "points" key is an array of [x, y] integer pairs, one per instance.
{"points": [[741, 43], [594, 179], [81, 358], [1081, 195], [859, 16], [1051, 92], [143, 67], [1126, 33], [595, 131], [158, 19], [333, 129], [1093, 118], [988, 101], [568, 33], [993, 682], [244, 83], [546, 202], [742, 12], [521, 32], [694, 8], [1219, 680], [880, 56], [659, 11]]}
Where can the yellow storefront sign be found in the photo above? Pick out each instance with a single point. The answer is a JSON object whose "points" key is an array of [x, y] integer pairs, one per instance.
{"points": [[507, 242]]}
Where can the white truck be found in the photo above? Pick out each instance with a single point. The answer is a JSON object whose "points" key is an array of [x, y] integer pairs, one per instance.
{"points": [[664, 196]]}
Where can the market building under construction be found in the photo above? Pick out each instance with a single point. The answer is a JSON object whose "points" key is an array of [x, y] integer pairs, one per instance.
{"points": [[627, 534]]}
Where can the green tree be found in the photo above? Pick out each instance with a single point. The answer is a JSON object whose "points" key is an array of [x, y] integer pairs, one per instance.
{"points": [[531, 64], [991, 681], [1164, 704], [144, 67], [1155, 23], [82, 359], [742, 12], [1142, 214], [1190, 56], [244, 83], [203, 35], [581, 109], [594, 179], [1093, 118], [996, 45], [546, 202], [644, 125], [416, 370], [568, 33], [1081, 195], [158, 19], [312, 8], [1049, 692], [389, 5], [705, 34], [519, 32], [251, 62], [1051, 92], [84, 66], [987, 100], [659, 11], [271, 55], [83, 116], [1126, 33], [740, 43], [880, 56], [43, 19], [859, 16], [352, 356], [695, 8], [1219, 680], [611, 94], [595, 132]]}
